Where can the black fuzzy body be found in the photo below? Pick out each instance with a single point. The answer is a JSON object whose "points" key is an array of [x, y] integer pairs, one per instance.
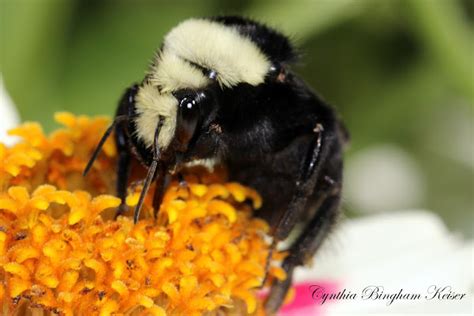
{"points": [[265, 148], [278, 137]]}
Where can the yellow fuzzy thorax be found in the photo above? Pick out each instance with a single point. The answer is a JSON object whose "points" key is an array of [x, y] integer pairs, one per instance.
{"points": [[62, 252]]}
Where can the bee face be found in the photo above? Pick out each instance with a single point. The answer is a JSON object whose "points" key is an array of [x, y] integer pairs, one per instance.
{"points": [[198, 58]]}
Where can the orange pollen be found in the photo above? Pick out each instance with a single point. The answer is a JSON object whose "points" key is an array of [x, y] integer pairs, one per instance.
{"points": [[62, 252]]}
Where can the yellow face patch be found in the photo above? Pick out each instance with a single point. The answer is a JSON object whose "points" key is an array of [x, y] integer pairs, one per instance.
{"points": [[172, 73], [150, 105]]}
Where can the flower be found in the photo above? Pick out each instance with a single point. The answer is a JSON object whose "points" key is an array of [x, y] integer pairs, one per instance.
{"points": [[410, 251], [61, 251], [10, 117]]}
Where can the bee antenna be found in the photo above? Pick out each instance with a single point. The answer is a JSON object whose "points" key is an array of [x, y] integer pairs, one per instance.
{"points": [[106, 135], [151, 170]]}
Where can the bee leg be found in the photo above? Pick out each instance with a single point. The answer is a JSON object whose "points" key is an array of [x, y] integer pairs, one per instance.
{"points": [[315, 232], [304, 185], [123, 168], [163, 180], [182, 182], [122, 144], [303, 249]]}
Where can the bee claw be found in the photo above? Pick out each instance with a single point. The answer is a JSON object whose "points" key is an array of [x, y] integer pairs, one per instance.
{"points": [[183, 184], [122, 208]]}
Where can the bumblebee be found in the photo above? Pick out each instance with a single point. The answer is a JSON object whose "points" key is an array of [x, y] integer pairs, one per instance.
{"points": [[221, 89]]}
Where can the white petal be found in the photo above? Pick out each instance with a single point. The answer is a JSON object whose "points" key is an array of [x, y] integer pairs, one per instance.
{"points": [[409, 250], [387, 170], [8, 114]]}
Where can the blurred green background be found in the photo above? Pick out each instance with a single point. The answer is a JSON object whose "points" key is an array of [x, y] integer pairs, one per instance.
{"points": [[400, 73]]}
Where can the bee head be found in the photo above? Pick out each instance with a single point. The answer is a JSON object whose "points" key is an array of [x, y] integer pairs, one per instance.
{"points": [[172, 116], [198, 58]]}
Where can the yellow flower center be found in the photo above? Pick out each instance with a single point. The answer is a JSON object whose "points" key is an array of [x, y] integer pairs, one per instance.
{"points": [[61, 251]]}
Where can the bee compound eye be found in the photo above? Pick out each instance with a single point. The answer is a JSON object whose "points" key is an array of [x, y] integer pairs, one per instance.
{"points": [[187, 104], [188, 109], [188, 117]]}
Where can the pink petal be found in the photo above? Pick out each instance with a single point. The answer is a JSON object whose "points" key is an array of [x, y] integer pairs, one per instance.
{"points": [[304, 304]]}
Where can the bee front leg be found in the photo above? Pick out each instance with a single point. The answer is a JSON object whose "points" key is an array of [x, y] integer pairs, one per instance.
{"points": [[162, 182], [123, 167], [122, 143]]}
